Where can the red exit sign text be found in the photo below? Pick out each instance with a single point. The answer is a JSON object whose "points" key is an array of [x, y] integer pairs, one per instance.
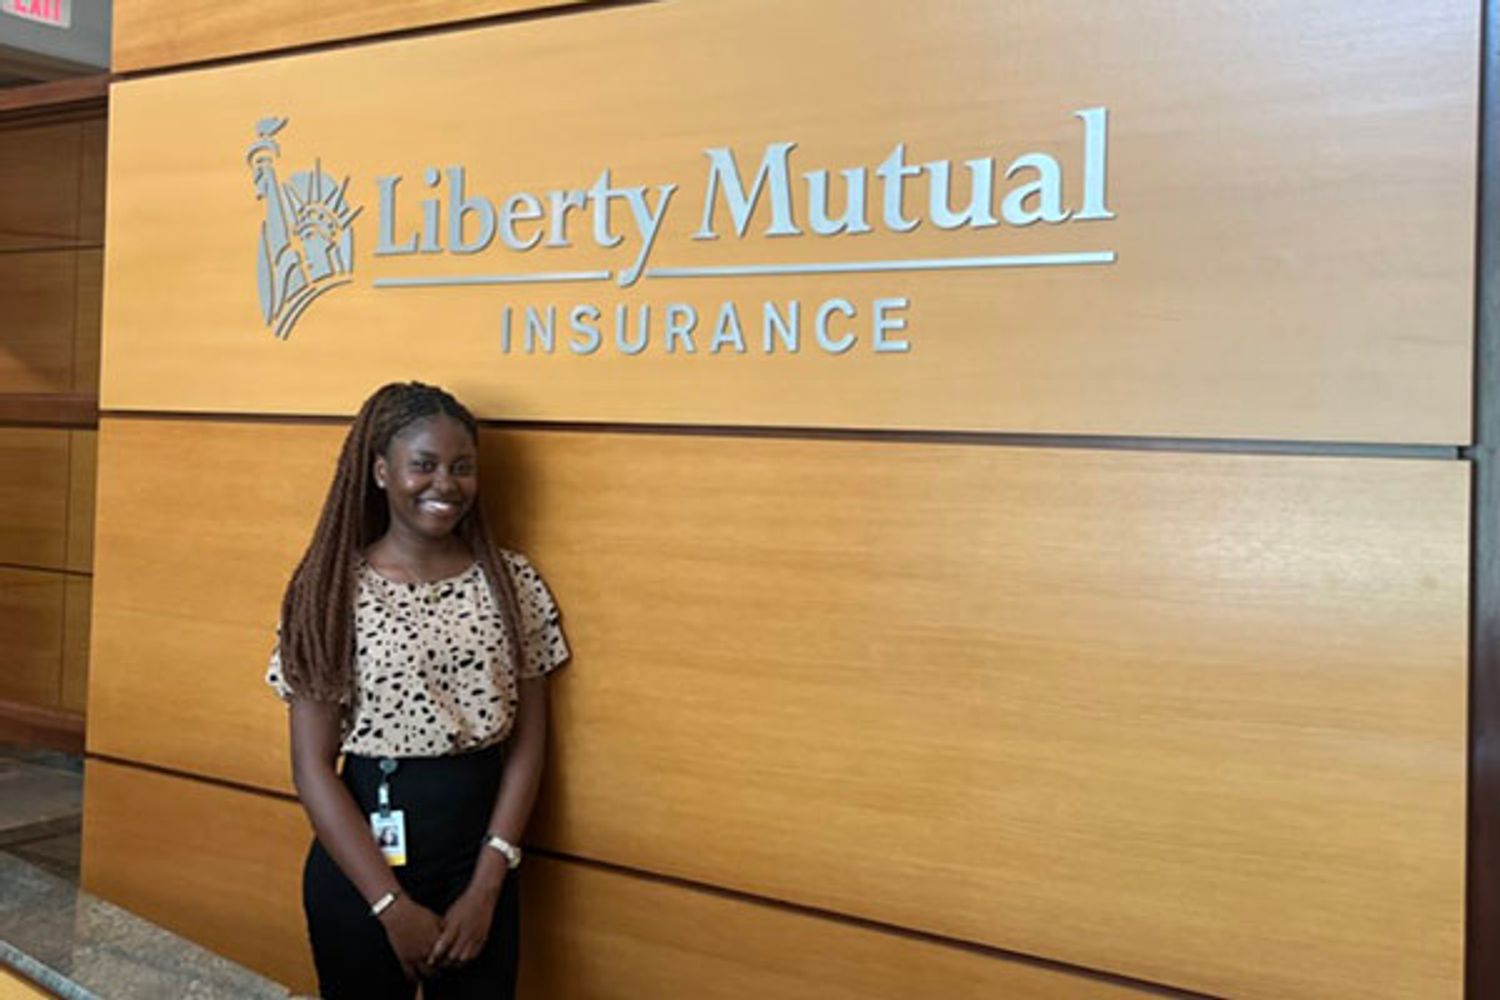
{"points": [[57, 13]]}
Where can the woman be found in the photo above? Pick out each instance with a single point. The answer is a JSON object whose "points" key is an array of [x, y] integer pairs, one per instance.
{"points": [[413, 647]]}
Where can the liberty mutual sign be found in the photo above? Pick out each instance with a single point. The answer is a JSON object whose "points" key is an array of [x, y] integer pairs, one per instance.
{"points": [[530, 237]]}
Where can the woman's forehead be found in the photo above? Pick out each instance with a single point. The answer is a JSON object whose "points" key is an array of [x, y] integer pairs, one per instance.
{"points": [[436, 433]]}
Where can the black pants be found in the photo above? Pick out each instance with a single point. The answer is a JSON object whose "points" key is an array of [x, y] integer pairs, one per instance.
{"points": [[447, 801]]}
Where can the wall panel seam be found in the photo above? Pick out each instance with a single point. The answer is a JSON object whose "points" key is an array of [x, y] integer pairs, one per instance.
{"points": [[750, 898], [1088, 442], [1482, 888], [52, 248], [55, 570]]}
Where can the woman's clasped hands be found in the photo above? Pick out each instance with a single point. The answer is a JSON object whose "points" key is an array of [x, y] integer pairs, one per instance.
{"points": [[426, 943], [466, 927]]}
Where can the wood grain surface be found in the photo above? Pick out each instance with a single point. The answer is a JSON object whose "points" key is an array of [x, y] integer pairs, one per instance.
{"points": [[151, 34], [31, 634], [39, 170], [594, 934], [23, 103], [38, 320], [53, 728], [220, 866], [13, 987], [34, 485], [93, 143], [83, 451], [77, 608], [153, 528], [47, 409], [1293, 188], [1196, 719], [88, 304]]}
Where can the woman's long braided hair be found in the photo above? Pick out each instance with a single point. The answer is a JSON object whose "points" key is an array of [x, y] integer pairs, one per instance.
{"points": [[317, 610]]}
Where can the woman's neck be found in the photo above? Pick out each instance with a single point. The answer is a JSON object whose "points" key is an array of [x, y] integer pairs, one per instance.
{"points": [[402, 555]]}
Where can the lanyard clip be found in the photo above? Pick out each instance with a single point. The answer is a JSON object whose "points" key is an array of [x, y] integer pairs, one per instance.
{"points": [[383, 793]]}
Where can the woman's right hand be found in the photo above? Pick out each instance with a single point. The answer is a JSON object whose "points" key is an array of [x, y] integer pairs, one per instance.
{"points": [[412, 930]]}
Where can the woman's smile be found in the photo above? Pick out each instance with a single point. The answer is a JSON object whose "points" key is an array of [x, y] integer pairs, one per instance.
{"points": [[441, 507]]}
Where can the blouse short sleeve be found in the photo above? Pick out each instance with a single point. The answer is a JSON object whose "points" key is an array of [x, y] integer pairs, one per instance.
{"points": [[274, 676], [543, 646]]}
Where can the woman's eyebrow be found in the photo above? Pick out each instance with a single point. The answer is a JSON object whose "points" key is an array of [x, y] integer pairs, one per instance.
{"points": [[424, 453]]}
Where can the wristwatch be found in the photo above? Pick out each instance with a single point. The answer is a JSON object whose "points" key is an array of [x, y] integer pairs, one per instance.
{"points": [[511, 851]]}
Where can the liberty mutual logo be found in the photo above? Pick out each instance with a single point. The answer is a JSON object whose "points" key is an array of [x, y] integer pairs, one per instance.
{"points": [[588, 239], [306, 245]]}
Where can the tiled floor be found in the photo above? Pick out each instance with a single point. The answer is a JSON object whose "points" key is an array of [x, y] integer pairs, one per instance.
{"points": [[41, 808]]}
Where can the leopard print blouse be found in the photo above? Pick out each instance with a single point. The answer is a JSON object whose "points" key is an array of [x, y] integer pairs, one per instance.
{"points": [[432, 673]]}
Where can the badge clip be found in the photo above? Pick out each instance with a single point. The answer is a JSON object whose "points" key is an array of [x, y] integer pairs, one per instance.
{"points": [[383, 793], [386, 824]]}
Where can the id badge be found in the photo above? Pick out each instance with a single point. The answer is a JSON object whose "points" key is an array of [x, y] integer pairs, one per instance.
{"points": [[390, 834]]}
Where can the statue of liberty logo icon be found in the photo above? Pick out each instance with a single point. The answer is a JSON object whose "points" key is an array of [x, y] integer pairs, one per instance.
{"points": [[306, 246]]}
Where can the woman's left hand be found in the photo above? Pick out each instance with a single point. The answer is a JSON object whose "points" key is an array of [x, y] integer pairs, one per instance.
{"points": [[466, 927]]}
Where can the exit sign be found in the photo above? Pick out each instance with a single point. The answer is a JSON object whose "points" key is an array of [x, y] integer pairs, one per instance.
{"points": [[57, 13]]}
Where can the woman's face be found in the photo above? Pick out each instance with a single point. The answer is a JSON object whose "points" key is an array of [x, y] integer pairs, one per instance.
{"points": [[430, 474]]}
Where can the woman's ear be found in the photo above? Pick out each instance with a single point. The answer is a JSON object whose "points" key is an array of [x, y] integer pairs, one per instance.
{"points": [[379, 469]]}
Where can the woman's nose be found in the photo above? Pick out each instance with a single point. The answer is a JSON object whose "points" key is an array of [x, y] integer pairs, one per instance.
{"points": [[443, 480]]}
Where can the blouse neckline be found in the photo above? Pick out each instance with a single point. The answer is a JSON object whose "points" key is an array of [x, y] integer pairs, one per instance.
{"points": [[364, 564]]}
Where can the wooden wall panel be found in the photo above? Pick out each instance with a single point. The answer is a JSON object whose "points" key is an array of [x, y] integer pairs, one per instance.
{"points": [[1197, 719], [1274, 275], [31, 632], [83, 449], [37, 322], [93, 147], [220, 866], [154, 33], [88, 304], [248, 558], [592, 934], [52, 728], [77, 605], [39, 169], [34, 477], [12, 987], [223, 866]]}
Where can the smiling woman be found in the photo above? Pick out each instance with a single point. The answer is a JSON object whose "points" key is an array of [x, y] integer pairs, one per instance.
{"points": [[415, 648], [430, 480]]}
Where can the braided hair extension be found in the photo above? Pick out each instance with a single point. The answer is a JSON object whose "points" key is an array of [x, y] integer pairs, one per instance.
{"points": [[317, 610]]}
